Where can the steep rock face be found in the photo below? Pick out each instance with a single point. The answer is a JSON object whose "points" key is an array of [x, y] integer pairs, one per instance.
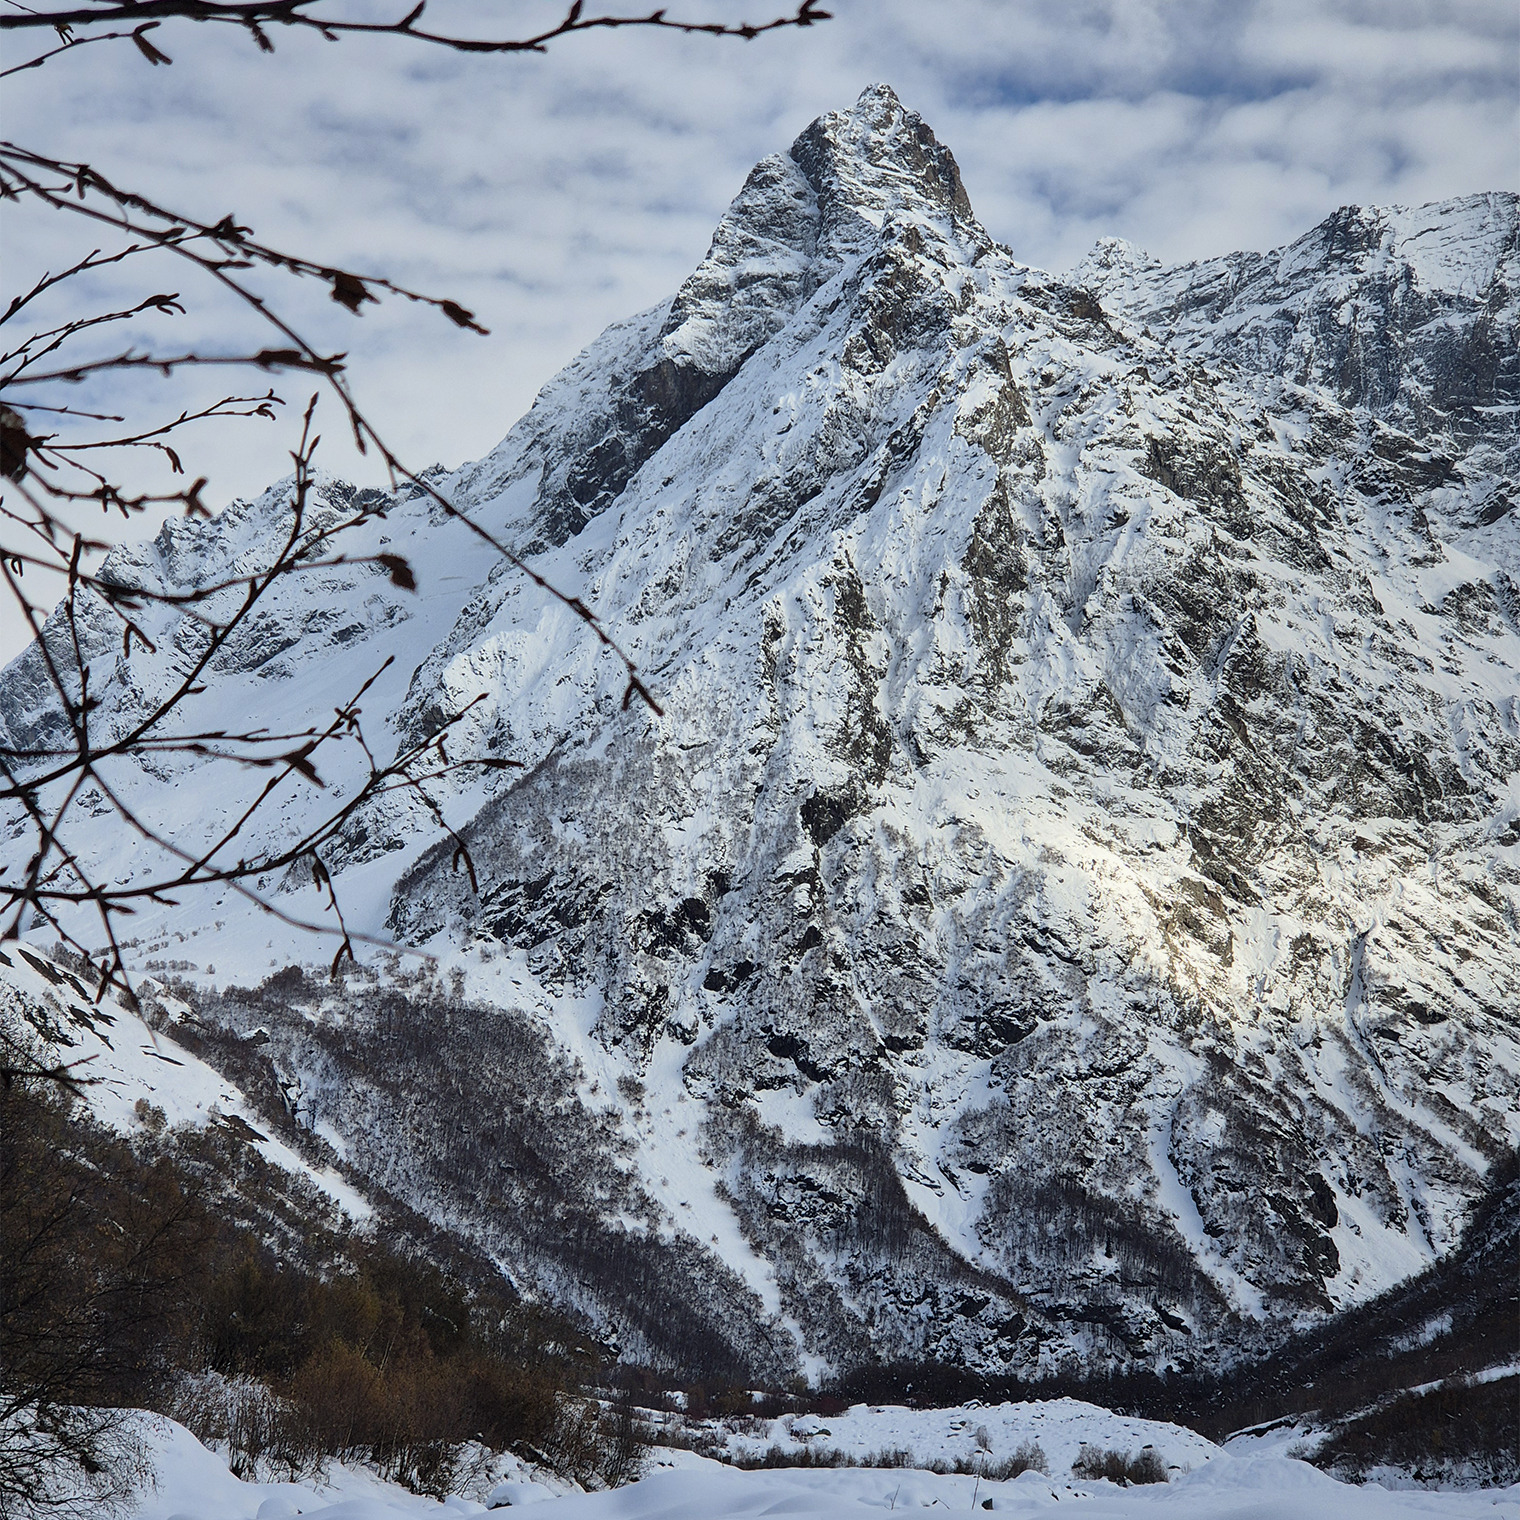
{"points": [[1073, 887], [1410, 314]]}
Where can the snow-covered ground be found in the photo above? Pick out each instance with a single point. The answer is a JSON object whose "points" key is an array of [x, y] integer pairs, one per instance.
{"points": [[194, 1483], [1264, 1488]]}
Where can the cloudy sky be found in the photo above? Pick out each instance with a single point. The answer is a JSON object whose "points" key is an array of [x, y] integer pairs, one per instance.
{"points": [[553, 194]]}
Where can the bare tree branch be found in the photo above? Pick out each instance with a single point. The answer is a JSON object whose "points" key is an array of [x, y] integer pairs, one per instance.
{"points": [[49, 474], [254, 15]]}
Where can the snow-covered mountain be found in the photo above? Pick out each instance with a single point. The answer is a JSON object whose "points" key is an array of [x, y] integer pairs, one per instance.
{"points": [[1068, 913]]}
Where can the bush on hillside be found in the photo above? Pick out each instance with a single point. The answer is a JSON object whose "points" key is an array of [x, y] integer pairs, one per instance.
{"points": [[1461, 1432], [171, 1272], [1119, 1466]]}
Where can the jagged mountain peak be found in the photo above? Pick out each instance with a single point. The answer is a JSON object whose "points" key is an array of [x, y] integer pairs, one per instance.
{"points": [[869, 179], [1112, 253], [1465, 246], [1067, 910], [1457, 245], [803, 214], [879, 159]]}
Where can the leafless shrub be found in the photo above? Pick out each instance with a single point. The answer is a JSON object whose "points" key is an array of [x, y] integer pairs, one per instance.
{"points": [[1119, 1466], [625, 1445], [806, 1455], [809, 1455], [69, 1462], [705, 1440], [150, 1116], [980, 1464], [1028, 1457], [263, 1436], [598, 1447]]}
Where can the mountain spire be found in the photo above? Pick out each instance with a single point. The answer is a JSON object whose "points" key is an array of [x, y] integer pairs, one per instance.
{"points": [[878, 158]]}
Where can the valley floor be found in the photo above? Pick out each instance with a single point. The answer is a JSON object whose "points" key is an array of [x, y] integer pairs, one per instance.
{"points": [[1208, 1482]]}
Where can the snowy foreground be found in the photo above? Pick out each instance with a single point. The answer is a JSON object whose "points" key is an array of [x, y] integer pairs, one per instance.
{"points": [[1250, 1479]]}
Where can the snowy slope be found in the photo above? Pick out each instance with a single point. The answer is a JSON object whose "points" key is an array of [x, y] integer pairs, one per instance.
{"points": [[119, 1061], [1059, 1427], [1067, 914]]}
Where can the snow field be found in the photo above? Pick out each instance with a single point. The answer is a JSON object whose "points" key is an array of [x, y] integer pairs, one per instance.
{"points": [[194, 1483], [1262, 1488]]}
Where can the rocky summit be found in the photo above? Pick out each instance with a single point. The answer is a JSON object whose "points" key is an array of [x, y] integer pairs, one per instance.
{"points": [[1067, 916]]}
